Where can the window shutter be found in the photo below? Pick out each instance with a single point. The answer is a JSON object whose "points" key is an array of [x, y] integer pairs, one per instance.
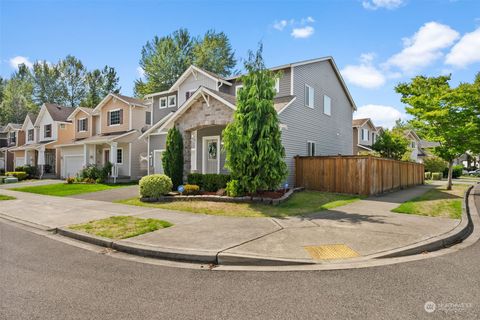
{"points": [[121, 116], [86, 124], [108, 118]]}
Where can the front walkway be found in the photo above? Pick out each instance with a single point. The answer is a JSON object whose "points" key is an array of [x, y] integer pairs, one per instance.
{"points": [[366, 226]]}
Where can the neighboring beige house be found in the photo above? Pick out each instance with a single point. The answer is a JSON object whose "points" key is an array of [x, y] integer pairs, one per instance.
{"points": [[364, 135], [41, 135], [105, 134], [415, 146], [15, 137]]}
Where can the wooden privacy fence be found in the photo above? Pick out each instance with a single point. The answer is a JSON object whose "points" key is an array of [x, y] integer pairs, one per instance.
{"points": [[365, 175]]}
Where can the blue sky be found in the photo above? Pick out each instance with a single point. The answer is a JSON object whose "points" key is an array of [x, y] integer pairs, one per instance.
{"points": [[375, 43]]}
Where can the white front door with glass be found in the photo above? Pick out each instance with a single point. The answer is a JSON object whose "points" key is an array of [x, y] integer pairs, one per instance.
{"points": [[211, 154]]}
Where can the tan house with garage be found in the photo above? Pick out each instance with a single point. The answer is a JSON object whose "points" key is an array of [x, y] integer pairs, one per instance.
{"points": [[105, 134], [41, 135], [15, 137]]}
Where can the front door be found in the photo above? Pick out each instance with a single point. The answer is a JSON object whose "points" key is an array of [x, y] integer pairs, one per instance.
{"points": [[106, 156], [211, 154], [50, 157]]}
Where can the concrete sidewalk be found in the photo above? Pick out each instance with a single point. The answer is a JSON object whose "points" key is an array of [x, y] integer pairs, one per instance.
{"points": [[366, 226]]}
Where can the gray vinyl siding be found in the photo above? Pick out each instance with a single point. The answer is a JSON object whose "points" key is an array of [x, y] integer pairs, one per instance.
{"points": [[206, 132], [159, 114], [332, 134], [285, 81], [193, 84], [138, 169]]}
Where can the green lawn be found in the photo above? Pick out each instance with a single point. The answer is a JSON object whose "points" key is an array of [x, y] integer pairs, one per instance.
{"points": [[121, 227], [437, 202], [300, 203], [4, 197], [64, 189]]}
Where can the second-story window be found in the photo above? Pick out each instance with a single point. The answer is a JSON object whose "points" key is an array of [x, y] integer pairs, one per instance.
{"points": [[148, 118], [47, 131], [13, 137], [189, 93], [327, 105], [30, 135], [162, 103], [309, 96], [115, 117], [365, 134], [172, 101], [82, 125]]}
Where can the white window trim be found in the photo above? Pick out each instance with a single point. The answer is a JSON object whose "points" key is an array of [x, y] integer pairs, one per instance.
{"points": [[116, 156], [168, 101], [28, 135], [155, 158], [363, 134], [307, 99], [314, 143], [277, 85], [238, 87], [81, 119], [204, 146], [109, 112], [45, 130], [160, 102], [325, 99]]}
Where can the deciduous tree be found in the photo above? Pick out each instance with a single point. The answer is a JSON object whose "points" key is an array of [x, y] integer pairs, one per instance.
{"points": [[392, 145]]}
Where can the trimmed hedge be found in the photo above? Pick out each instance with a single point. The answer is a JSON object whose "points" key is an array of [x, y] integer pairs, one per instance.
{"points": [[155, 186], [31, 171], [209, 182], [20, 175], [457, 171]]}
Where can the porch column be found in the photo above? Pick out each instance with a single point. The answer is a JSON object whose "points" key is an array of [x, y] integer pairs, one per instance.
{"points": [[41, 159], [113, 160], [26, 157], [85, 155], [187, 146]]}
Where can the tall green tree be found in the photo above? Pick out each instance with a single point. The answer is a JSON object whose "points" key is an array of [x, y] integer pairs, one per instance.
{"points": [[442, 114], [214, 53], [164, 59], [391, 145], [99, 84], [17, 97], [72, 77], [47, 86], [172, 159], [255, 154]]}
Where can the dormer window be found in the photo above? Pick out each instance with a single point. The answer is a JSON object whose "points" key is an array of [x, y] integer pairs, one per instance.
{"points": [[172, 101], [115, 117], [30, 135], [47, 131], [13, 137], [365, 134], [82, 125]]}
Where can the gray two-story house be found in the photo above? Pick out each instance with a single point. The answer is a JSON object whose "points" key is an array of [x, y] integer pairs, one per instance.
{"points": [[313, 104]]}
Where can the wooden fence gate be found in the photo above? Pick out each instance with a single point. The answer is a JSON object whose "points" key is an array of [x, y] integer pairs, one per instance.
{"points": [[365, 175]]}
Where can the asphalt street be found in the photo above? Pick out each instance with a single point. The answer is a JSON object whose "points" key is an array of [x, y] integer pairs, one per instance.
{"points": [[41, 278]]}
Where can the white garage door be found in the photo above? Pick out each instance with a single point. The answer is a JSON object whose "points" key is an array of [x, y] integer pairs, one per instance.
{"points": [[73, 165], [19, 162]]}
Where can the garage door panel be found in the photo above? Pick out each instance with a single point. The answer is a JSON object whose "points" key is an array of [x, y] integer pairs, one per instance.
{"points": [[73, 166]]}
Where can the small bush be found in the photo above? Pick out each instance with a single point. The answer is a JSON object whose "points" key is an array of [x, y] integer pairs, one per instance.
{"points": [[31, 171], [89, 181], [195, 178], [20, 175], [155, 186], [96, 173], [191, 189], [70, 180], [457, 171], [234, 189], [428, 175], [437, 176]]}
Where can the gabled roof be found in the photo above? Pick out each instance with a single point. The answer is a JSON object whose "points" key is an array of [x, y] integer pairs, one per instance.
{"points": [[128, 100], [413, 133], [360, 122], [185, 75], [13, 126], [30, 116], [156, 125], [57, 112], [88, 111]]}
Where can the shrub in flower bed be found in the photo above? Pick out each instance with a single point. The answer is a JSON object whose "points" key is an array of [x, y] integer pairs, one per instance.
{"points": [[191, 189], [155, 186], [209, 182], [31, 171], [233, 189], [436, 176], [20, 175]]}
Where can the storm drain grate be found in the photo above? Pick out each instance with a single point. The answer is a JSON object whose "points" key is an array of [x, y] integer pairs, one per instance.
{"points": [[331, 251]]}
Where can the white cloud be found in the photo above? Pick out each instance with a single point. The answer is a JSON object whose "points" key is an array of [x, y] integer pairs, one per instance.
{"points": [[304, 32], [384, 116], [387, 4], [280, 25], [307, 20], [424, 47], [140, 72], [16, 61], [364, 75], [466, 51]]}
